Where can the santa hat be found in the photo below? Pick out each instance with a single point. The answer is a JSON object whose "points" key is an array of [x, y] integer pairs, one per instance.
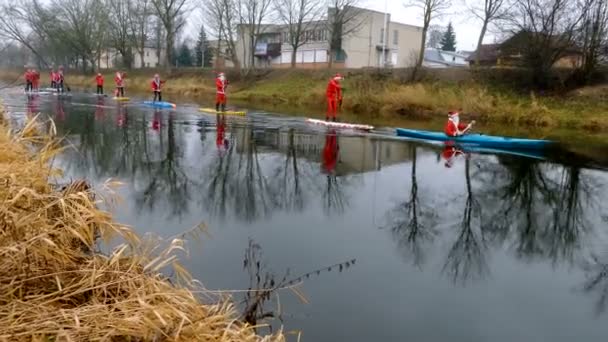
{"points": [[156, 76], [452, 114], [98, 74]]}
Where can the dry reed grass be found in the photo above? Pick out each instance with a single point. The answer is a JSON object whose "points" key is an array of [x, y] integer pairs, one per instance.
{"points": [[56, 286]]}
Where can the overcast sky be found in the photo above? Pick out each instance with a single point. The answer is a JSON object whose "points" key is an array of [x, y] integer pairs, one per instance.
{"points": [[466, 26]]}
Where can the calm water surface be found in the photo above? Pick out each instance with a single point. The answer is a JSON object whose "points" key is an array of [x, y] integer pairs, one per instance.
{"points": [[389, 243]]}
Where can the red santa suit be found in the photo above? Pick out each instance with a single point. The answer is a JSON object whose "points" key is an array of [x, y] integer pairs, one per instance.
{"points": [[334, 96], [220, 92], [453, 127]]}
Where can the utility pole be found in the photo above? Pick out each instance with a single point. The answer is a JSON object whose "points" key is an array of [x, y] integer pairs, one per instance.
{"points": [[385, 38]]}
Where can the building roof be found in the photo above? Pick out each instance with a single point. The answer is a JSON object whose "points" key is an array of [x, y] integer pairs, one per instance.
{"points": [[436, 56], [486, 52]]}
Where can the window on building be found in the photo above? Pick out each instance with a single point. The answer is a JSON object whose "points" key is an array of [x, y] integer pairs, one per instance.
{"points": [[395, 37], [147, 53], [381, 36], [148, 65]]}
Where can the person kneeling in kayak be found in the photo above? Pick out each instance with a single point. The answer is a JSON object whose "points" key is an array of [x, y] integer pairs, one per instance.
{"points": [[454, 128]]}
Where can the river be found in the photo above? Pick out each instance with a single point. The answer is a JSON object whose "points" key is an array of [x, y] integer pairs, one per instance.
{"points": [[385, 239]]}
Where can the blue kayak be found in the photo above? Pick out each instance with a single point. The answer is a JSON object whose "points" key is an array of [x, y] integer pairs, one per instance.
{"points": [[476, 140], [160, 104]]}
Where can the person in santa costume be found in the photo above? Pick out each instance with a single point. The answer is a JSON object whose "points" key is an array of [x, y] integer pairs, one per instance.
{"points": [[455, 128], [220, 92], [334, 97], [119, 79], [157, 85]]}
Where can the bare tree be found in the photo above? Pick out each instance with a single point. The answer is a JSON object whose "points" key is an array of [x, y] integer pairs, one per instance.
{"points": [[120, 30], [139, 22], [299, 16], [545, 31], [14, 26], [220, 16], [81, 26], [169, 12], [344, 19], [434, 35], [487, 11], [430, 10], [593, 35], [252, 14]]}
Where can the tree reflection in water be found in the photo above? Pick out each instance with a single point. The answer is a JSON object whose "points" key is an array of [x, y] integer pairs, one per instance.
{"points": [[166, 178], [466, 259], [234, 179], [542, 205], [596, 272], [412, 222]]}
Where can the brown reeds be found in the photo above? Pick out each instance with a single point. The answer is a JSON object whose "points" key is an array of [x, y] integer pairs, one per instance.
{"points": [[56, 286]]}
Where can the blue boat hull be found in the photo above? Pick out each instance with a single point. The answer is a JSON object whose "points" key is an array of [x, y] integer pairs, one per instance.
{"points": [[477, 140], [159, 104]]}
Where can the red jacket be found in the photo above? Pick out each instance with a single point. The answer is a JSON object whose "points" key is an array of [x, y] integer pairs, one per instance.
{"points": [[29, 77], [99, 80], [119, 80], [334, 89], [450, 128], [220, 86], [53, 76], [156, 86]]}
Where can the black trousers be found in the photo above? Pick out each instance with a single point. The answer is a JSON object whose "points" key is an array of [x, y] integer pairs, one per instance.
{"points": [[29, 86], [158, 95], [121, 91], [100, 89]]}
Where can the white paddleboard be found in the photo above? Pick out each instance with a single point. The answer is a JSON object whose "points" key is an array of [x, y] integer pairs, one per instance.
{"points": [[340, 125]]}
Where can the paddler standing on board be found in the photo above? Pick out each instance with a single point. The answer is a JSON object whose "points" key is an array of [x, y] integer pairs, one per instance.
{"points": [[220, 92], [36, 79], [99, 82], [60, 80], [119, 79], [454, 128], [28, 80], [157, 84], [334, 97], [53, 78]]}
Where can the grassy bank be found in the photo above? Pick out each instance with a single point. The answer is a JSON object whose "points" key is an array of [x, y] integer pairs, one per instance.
{"points": [[490, 96], [55, 286]]}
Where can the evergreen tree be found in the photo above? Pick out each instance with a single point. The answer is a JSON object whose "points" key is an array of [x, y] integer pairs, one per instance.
{"points": [[202, 50], [184, 56], [448, 41]]}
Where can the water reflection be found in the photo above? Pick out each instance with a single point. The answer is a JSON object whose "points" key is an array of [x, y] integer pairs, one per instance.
{"points": [[596, 283], [466, 258], [412, 222]]}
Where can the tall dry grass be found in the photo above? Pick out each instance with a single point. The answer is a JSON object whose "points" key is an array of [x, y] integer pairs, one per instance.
{"points": [[56, 286]]}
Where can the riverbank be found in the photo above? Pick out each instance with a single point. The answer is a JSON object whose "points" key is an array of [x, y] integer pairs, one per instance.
{"points": [[56, 285], [489, 96]]}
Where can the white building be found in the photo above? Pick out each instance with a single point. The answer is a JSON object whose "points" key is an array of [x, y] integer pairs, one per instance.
{"points": [[152, 58], [367, 46]]}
